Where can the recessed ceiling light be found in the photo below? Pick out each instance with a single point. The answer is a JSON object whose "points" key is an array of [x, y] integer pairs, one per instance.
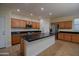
{"points": [[42, 9], [18, 10], [50, 13], [31, 14]]}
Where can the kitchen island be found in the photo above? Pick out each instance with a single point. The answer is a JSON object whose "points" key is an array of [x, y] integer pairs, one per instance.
{"points": [[37, 36], [33, 43], [37, 43]]}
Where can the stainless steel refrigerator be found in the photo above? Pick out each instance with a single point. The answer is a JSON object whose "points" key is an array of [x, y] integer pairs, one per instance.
{"points": [[54, 28]]}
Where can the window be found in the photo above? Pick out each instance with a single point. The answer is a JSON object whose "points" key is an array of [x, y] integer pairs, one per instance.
{"points": [[76, 24]]}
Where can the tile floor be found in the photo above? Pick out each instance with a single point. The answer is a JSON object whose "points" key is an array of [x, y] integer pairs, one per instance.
{"points": [[10, 51], [62, 48]]}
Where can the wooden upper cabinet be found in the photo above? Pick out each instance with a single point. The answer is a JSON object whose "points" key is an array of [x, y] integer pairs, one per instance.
{"points": [[34, 25], [15, 23], [38, 25], [68, 24], [75, 38], [22, 23], [65, 25], [61, 25]]}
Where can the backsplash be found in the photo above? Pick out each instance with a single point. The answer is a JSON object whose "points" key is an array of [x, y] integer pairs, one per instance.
{"points": [[16, 30]]}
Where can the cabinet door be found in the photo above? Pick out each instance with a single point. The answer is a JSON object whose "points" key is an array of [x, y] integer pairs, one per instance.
{"points": [[16, 39], [23, 47], [60, 36], [61, 25], [22, 23], [65, 24], [14, 23], [75, 38], [68, 24], [67, 36], [34, 25], [38, 25]]}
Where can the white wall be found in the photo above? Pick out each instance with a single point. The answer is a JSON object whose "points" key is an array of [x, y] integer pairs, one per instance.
{"points": [[67, 18], [22, 17], [44, 25], [6, 25]]}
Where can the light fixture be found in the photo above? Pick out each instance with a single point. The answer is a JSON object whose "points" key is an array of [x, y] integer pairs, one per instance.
{"points": [[42, 9], [50, 13], [18, 10]]}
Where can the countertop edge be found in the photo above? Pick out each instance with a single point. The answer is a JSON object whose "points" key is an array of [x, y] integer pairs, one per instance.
{"points": [[76, 32], [39, 38]]}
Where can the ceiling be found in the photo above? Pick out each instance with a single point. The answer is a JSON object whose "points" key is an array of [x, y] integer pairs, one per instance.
{"points": [[57, 9]]}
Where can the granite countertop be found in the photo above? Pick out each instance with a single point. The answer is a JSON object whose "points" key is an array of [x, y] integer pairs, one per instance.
{"points": [[34, 37], [68, 30], [24, 30], [74, 32]]}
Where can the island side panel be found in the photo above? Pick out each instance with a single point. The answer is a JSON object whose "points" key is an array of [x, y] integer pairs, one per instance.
{"points": [[36, 47]]}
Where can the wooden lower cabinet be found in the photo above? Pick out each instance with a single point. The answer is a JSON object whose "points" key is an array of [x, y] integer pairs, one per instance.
{"points": [[16, 39], [22, 48], [60, 36], [75, 38], [64, 36], [67, 36]]}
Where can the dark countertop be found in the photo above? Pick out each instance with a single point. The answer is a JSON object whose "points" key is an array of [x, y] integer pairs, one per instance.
{"points": [[21, 32], [73, 32], [34, 37]]}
